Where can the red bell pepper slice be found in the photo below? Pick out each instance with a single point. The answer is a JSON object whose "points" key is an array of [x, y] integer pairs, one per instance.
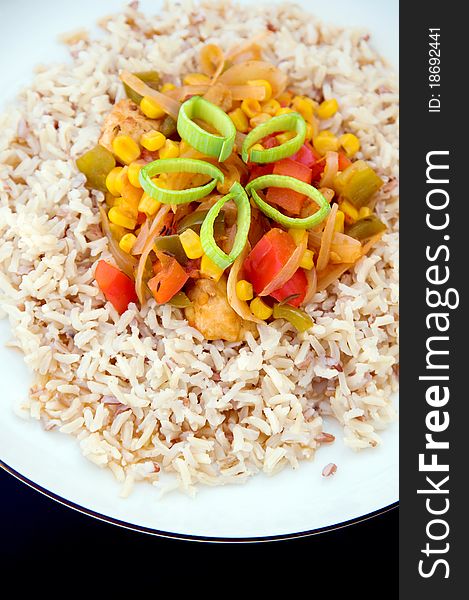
{"points": [[117, 288], [169, 279], [267, 258], [288, 199]]}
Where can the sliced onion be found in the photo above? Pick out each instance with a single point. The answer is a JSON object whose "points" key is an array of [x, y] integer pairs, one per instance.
{"points": [[186, 91], [330, 170], [147, 248], [240, 307], [287, 271], [255, 69], [328, 193], [348, 248], [141, 238], [330, 274], [168, 104], [312, 278], [250, 46], [124, 261], [325, 250], [212, 60]]}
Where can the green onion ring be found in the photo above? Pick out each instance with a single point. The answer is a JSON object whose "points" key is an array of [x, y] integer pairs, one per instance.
{"points": [[178, 165], [209, 245], [283, 181], [219, 146], [288, 122]]}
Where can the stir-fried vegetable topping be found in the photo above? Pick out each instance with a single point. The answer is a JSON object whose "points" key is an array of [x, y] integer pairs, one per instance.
{"points": [[183, 169]]}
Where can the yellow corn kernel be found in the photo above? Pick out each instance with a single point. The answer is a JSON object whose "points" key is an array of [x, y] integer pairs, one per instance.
{"points": [[298, 235], [260, 309], [196, 79], [350, 212], [150, 108], [309, 132], [365, 211], [259, 119], [169, 150], [134, 171], [152, 140], [327, 109], [148, 205], [285, 137], [126, 149], [127, 242], [210, 269], [283, 111], [251, 107], [325, 141], [118, 217], [239, 119], [265, 84], [307, 261], [339, 221], [167, 87], [285, 99], [117, 231], [304, 106], [244, 290], [111, 181], [350, 143], [120, 180], [191, 243], [271, 106]]}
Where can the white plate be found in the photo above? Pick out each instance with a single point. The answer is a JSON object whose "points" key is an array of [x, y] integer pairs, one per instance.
{"points": [[288, 504]]}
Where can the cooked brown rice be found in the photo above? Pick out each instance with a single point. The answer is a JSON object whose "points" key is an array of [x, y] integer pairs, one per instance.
{"points": [[145, 392]]}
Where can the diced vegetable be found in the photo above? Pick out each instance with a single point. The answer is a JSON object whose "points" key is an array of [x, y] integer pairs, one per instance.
{"points": [[96, 164], [288, 199], [168, 126], [297, 317], [151, 78], [117, 288], [191, 243], [209, 269], [267, 259], [350, 143], [260, 309], [325, 141], [244, 290], [306, 156], [125, 148], [171, 244], [169, 279], [366, 228], [327, 108], [180, 300], [357, 183]]}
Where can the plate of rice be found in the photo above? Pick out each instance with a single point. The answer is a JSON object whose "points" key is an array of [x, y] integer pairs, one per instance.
{"points": [[199, 263]]}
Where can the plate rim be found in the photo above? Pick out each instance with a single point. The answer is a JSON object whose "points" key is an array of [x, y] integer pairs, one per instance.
{"points": [[186, 536]]}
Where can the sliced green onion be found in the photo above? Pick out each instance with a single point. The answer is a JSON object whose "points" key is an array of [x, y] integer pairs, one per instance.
{"points": [[297, 317], [178, 165], [207, 239], [283, 181], [219, 146], [288, 122]]}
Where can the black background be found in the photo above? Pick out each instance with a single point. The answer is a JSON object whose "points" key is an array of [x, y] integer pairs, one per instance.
{"points": [[38, 533]]}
